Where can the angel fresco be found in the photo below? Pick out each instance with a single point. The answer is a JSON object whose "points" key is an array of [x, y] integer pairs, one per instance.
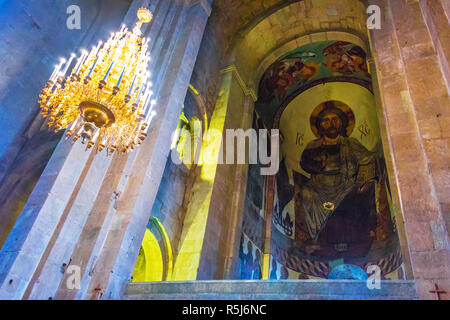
{"points": [[332, 197], [336, 210], [319, 61], [346, 58], [283, 75]]}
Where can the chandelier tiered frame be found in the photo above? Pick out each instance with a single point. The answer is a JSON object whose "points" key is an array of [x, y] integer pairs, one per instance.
{"points": [[105, 99]]}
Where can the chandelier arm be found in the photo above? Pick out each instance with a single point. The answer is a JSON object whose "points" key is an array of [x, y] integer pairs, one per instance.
{"points": [[105, 98]]}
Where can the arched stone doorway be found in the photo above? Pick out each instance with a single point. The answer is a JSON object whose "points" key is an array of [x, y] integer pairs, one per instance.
{"points": [[267, 39], [149, 264], [155, 260]]}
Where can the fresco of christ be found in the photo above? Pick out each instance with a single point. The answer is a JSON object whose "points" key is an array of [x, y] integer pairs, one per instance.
{"points": [[336, 208]]}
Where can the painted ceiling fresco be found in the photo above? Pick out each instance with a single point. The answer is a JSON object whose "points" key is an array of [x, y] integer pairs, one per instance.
{"points": [[305, 67]]}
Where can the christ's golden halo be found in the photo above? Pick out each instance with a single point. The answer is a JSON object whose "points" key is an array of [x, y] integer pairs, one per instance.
{"points": [[329, 206], [346, 112]]}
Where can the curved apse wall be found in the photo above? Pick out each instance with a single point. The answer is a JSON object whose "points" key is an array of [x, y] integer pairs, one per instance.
{"points": [[332, 195]]}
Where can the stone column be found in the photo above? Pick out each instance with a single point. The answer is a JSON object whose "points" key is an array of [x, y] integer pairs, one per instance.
{"points": [[229, 245], [268, 219], [91, 212], [438, 24], [396, 203], [415, 101], [208, 242], [115, 263]]}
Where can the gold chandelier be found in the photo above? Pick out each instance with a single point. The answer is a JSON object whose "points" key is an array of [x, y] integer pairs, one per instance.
{"points": [[106, 98]]}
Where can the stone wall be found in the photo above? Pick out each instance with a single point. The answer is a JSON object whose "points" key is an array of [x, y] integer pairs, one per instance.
{"points": [[410, 60], [34, 37], [437, 139]]}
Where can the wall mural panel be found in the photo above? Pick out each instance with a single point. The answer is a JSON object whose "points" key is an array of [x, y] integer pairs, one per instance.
{"points": [[332, 196], [332, 185], [307, 66]]}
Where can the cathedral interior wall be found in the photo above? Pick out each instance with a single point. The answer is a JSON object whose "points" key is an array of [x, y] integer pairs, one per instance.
{"points": [[259, 42], [203, 208], [416, 109], [27, 32], [176, 184]]}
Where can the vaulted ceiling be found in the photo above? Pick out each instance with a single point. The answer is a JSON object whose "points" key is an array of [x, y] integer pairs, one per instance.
{"points": [[233, 18]]}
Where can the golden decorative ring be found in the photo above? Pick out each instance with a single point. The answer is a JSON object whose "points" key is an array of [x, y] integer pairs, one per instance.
{"points": [[144, 15], [328, 206]]}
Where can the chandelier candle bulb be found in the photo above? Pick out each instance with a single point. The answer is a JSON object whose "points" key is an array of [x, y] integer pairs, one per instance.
{"points": [[79, 132], [72, 128], [139, 94], [97, 49], [148, 120], [86, 59], [75, 129], [121, 77], [101, 52], [91, 53], [92, 69], [55, 73], [93, 139], [147, 105], [80, 61], [109, 70], [147, 96], [103, 143], [107, 118], [72, 56], [132, 86]]}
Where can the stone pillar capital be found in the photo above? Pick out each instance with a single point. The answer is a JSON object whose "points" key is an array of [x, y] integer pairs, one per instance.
{"points": [[248, 90]]}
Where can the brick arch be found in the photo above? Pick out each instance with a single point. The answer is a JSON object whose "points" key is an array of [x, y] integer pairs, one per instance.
{"points": [[155, 255], [158, 230], [22, 176], [291, 26]]}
